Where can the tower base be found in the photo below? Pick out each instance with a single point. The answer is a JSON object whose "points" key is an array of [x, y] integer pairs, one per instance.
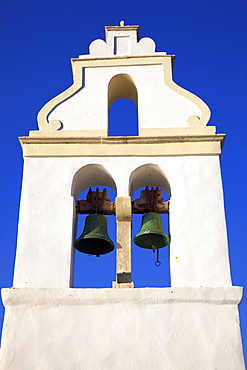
{"points": [[141, 328]]}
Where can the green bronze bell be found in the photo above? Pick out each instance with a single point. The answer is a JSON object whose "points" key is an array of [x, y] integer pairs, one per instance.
{"points": [[151, 235], [95, 239]]}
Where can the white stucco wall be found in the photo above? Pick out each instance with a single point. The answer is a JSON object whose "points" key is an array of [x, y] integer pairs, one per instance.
{"points": [[92, 329], [157, 103], [199, 252]]}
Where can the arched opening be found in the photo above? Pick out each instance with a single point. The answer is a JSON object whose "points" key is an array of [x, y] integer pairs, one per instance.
{"points": [[144, 271], [122, 106], [90, 271], [89, 176], [149, 175]]}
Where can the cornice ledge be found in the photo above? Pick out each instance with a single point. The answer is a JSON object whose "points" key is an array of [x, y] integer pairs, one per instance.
{"points": [[121, 146], [58, 296], [157, 58], [115, 140]]}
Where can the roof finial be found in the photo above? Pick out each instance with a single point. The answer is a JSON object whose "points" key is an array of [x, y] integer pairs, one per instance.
{"points": [[121, 23]]}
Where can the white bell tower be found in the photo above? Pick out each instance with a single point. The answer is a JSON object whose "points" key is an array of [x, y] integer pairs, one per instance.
{"points": [[194, 324]]}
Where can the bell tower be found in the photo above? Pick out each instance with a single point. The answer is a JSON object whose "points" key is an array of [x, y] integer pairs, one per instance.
{"points": [[194, 324]]}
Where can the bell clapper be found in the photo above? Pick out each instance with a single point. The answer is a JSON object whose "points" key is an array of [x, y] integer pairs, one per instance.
{"points": [[157, 263]]}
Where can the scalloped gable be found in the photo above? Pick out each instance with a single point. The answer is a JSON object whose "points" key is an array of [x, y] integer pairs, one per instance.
{"points": [[122, 40], [82, 109]]}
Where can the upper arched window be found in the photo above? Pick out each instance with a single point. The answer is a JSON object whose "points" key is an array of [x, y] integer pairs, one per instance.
{"points": [[122, 106]]}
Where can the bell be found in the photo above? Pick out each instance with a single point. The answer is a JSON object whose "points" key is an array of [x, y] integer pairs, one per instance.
{"points": [[94, 239], [151, 235]]}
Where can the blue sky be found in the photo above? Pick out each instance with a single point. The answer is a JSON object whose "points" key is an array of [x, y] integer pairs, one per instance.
{"points": [[39, 37]]}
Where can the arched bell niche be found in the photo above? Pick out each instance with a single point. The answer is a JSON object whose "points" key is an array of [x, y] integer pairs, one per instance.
{"points": [[144, 271], [122, 106], [90, 271]]}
